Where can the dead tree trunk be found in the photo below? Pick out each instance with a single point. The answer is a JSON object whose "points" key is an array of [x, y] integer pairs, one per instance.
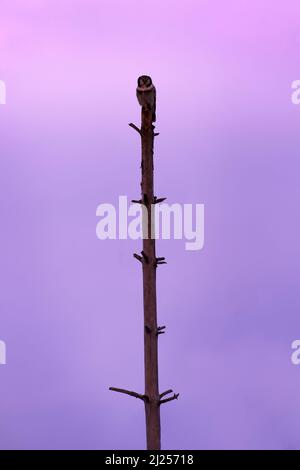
{"points": [[152, 409], [152, 399]]}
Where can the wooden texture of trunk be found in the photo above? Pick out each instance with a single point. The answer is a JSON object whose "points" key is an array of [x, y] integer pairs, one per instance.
{"points": [[152, 398], [152, 406]]}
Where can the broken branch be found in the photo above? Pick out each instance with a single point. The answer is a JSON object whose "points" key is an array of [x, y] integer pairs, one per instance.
{"points": [[161, 328], [145, 257], [135, 128], [174, 397], [158, 200], [157, 263], [128, 392], [160, 331], [135, 201]]}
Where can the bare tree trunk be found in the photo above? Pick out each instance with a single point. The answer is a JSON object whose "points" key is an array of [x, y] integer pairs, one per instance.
{"points": [[152, 406], [152, 398]]}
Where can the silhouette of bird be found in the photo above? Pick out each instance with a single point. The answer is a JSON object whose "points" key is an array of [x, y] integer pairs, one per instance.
{"points": [[146, 94]]}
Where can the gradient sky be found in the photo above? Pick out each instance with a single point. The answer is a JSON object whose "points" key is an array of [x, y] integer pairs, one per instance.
{"points": [[70, 304]]}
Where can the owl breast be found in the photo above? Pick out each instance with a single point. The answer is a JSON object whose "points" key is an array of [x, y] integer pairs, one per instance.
{"points": [[146, 99]]}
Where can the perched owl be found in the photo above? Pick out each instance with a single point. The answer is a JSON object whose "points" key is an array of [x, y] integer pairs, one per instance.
{"points": [[146, 95]]}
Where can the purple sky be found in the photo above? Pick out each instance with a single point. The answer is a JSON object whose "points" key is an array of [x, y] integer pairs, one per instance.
{"points": [[71, 305]]}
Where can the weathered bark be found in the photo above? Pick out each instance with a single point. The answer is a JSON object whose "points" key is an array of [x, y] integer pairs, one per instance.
{"points": [[151, 398], [152, 405]]}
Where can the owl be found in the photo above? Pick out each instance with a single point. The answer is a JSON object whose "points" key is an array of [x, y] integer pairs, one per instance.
{"points": [[146, 95]]}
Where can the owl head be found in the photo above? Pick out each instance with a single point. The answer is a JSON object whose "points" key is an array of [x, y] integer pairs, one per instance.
{"points": [[144, 81]]}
